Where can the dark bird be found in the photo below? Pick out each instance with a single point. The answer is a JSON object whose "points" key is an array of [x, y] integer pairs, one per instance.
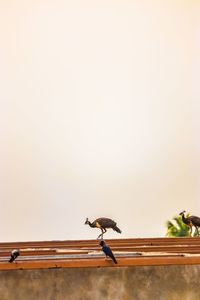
{"points": [[103, 224], [191, 221], [14, 254], [108, 252]]}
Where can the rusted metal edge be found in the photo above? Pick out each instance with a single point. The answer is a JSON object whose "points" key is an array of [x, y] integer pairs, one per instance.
{"points": [[101, 262], [85, 243]]}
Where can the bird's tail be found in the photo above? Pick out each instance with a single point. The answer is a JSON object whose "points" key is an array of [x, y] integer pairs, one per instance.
{"points": [[11, 259], [114, 259], [117, 229]]}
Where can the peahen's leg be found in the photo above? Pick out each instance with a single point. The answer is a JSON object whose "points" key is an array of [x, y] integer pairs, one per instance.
{"points": [[101, 234], [197, 230]]}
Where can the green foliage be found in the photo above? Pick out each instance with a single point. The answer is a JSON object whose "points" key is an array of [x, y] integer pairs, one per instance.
{"points": [[176, 228]]}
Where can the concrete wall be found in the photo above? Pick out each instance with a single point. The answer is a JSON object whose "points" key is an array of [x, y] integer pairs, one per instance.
{"points": [[125, 283]]}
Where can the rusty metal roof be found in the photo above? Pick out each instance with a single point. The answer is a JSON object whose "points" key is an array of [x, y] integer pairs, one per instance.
{"points": [[88, 253]]}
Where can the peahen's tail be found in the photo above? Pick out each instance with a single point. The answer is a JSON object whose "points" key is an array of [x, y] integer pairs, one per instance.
{"points": [[117, 229]]}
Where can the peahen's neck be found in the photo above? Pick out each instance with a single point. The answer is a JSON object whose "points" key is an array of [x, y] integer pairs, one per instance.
{"points": [[91, 224], [183, 217]]}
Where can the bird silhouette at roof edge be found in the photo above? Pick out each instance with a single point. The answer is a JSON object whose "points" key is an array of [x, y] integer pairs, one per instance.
{"points": [[108, 252], [14, 254], [103, 224], [191, 221]]}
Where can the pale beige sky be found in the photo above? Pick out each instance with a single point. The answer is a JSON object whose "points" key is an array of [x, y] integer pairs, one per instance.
{"points": [[99, 116]]}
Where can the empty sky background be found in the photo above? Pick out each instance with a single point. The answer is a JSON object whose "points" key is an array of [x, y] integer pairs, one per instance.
{"points": [[99, 116]]}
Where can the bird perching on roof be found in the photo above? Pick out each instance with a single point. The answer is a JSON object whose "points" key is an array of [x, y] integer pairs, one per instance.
{"points": [[103, 224], [108, 252], [191, 221], [14, 254]]}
